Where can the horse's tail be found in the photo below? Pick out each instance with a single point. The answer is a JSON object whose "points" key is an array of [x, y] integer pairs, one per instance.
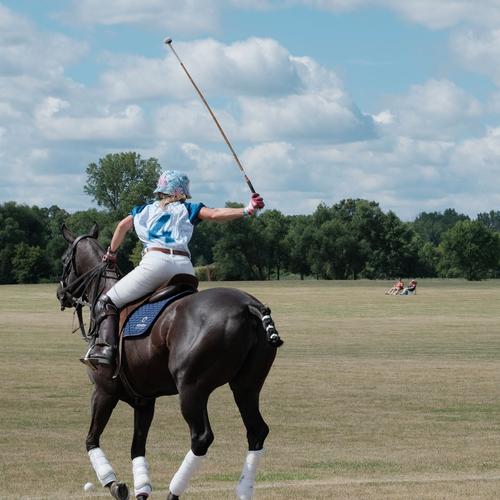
{"points": [[263, 313]]}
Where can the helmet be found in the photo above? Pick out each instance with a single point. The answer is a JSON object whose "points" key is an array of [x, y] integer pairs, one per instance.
{"points": [[173, 183]]}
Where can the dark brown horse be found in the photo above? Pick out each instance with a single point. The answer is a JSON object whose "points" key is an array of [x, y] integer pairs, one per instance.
{"points": [[200, 342]]}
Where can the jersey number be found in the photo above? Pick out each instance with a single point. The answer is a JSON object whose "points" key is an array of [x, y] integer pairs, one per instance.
{"points": [[157, 233]]}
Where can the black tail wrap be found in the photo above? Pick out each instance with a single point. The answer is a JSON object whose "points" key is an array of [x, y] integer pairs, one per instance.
{"points": [[264, 314]]}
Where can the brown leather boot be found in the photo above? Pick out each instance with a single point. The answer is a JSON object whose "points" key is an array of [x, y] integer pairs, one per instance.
{"points": [[103, 350]]}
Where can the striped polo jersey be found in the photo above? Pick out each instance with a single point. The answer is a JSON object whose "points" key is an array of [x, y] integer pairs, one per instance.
{"points": [[167, 227]]}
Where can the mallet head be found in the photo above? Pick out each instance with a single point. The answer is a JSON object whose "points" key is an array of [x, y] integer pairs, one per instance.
{"points": [[168, 41]]}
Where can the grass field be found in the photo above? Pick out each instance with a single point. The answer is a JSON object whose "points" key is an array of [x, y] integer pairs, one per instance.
{"points": [[371, 396]]}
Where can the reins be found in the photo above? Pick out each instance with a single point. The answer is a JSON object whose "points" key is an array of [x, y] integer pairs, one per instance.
{"points": [[84, 289]]}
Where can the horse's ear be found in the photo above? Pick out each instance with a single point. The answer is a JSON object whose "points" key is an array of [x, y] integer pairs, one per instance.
{"points": [[94, 232], [67, 234]]}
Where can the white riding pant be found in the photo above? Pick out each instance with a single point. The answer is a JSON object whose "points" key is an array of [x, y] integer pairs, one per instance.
{"points": [[155, 269]]}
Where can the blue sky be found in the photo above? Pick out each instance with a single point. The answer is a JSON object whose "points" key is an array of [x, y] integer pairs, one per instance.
{"points": [[396, 102]]}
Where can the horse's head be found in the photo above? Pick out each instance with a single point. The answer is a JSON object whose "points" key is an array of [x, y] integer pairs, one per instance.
{"points": [[83, 255]]}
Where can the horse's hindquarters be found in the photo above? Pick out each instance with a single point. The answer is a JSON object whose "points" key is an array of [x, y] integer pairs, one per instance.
{"points": [[205, 337]]}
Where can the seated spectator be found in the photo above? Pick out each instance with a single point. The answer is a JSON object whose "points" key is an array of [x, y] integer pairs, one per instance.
{"points": [[396, 288], [410, 289]]}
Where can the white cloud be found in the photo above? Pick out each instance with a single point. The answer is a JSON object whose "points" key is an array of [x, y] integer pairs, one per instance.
{"points": [[402, 174], [276, 165], [479, 155], [431, 13], [32, 66], [25, 50], [62, 124], [436, 109], [126, 123], [201, 16], [136, 77], [384, 117], [447, 13], [177, 16], [325, 116], [213, 169], [255, 4], [298, 133], [493, 104], [280, 96], [181, 122], [7, 111], [479, 51], [255, 66]]}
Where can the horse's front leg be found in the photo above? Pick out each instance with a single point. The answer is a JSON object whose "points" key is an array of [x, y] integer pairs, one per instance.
{"points": [[194, 410], [102, 405], [143, 416]]}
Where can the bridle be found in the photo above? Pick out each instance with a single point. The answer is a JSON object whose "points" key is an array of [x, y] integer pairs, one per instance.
{"points": [[83, 290]]}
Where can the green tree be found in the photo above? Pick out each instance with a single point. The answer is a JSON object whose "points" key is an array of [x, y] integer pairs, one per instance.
{"points": [[432, 225], [238, 252], [82, 221], [397, 250], [428, 258], [53, 218], [336, 252], [19, 223], [356, 238], [490, 219], [298, 241], [471, 248], [120, 181], [205, 236], [272, 226], [30, 263], [367, 224]]}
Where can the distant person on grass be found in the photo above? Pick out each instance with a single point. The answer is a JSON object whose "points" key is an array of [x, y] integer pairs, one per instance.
{"points": [[411, 289], [396, 288]]}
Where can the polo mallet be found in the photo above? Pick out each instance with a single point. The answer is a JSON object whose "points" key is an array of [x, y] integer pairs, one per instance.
{"points": [[168, 41]]}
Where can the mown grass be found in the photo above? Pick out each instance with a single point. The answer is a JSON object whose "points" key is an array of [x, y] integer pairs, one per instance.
{"points": [[371, 396]]}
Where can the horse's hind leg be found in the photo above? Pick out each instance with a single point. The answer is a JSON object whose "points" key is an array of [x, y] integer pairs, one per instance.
{"points": [[103, 405], [248, 404], [194, 410], [143, 416], [257, 431], [246, 389]]}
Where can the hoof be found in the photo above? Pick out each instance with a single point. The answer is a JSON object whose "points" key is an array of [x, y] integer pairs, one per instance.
{"points": [[119, 491], [141, 497], [171, 496]]}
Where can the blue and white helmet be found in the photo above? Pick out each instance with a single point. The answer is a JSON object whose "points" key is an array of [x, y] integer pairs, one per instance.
{"points": [[173, 183]]}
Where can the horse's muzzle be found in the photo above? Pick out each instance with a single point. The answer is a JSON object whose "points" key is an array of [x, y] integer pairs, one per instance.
{"points": [[65, 298]]}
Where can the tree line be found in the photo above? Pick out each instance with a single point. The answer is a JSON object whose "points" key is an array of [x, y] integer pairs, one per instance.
{"points": [[351, 239]]}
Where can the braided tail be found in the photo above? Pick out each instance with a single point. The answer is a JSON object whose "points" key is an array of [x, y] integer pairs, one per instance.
{"points": [[264, 314]]}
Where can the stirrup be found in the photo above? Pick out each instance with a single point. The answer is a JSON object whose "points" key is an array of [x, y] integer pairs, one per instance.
{"points": [[92, 360], [88, 361]]}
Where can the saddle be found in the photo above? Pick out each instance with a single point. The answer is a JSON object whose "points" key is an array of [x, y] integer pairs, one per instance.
{"points": [[178, 286]]}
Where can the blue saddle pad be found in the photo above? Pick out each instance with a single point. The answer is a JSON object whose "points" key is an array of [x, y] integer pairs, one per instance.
{"points": [[142, 319]]}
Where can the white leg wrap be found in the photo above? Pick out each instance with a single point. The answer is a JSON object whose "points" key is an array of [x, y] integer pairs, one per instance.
{"points": [[188, 468], [102, 467], [244, 490], [142, 482]]}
